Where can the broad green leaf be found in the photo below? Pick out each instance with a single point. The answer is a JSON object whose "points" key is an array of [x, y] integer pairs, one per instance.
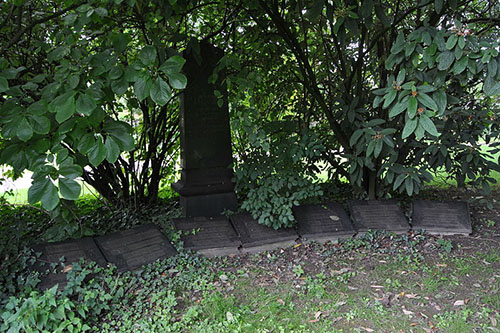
{"points": [[42, 189], [389, 98], [370, 148], [355, 136], [399, 45], [112, 149], [172, 65], [366, 8], [65, 108], [419, 131], [86, 143], [119, 86], [398, 108], [412, 107], [445, 60], [97, 153], [410, 127], [160, 92], [71, 171], [379, 11], [115, 73], [24, 130], [4, 84], [148, 55], [460, 65], [425, 88], [40, 124], [409, 186], [438, 5], [452, 41], [85, 104], [177, 80], [492, 68], [142, 87], [401, 76], [441, 100], [399, 180], [378, 148], [491, 87], [120, 42], [427, 101], [461, 42], [69, 188], [428, 125], [38, 108]]}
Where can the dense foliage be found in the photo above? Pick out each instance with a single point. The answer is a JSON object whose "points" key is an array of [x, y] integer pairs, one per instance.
{"points": [[393, 90]]}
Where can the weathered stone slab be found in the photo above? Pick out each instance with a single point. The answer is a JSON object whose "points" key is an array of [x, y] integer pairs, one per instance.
{"points": [[321, 223], [441, 217], [256, 237], [131, 249], [209, 236], [378, 215], [72, 251], [206, 187]]}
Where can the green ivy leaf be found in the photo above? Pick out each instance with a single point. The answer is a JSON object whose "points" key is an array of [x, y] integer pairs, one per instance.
{"points": [[460, 65], [64, 107], [69, 188], [119, 86], [160, 92]]}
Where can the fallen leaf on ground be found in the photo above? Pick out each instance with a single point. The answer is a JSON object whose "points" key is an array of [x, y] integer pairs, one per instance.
{"points": [[441, 265], [376, 286], [66, 269], [493, 320], [406, 312], [412, 296], [296, 246], [459, 303], [316, 317], [413, 324], [279, 300], [367, 329]]}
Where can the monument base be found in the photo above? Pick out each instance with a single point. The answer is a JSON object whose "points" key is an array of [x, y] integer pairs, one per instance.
{"points": [[208, 204]]}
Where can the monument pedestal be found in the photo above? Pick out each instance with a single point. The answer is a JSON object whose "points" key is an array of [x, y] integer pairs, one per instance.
{"points": [[206, 188]]}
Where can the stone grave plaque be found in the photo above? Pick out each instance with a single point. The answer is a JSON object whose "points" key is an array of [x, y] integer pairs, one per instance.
{"points": [[378, 215], [441, 217], [256, 237], [205, 188], [72, 251], [321, 223], [209, 236], [133, 248]]}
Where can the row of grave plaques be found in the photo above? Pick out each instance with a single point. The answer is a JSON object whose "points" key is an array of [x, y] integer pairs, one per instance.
{"points": [[131, 249]]}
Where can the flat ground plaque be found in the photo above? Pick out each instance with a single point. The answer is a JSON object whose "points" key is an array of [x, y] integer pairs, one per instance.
{"points": [[209, 236], [72, 251], [321, 223], [378, 215], [441, 217], [256, 237], [133, 248]]}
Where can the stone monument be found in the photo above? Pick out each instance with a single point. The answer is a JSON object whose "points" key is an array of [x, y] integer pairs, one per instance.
{"points": [[205, 188]]}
